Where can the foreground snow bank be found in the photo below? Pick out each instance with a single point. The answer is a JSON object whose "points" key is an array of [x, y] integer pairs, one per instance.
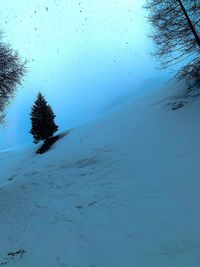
{"points": [[122, 191]]}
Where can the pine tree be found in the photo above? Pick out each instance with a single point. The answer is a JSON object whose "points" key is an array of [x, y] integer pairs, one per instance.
{"points": [[42, 119]]}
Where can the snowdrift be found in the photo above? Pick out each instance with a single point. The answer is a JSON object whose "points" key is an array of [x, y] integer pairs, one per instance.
{"points": [[121, 191]]}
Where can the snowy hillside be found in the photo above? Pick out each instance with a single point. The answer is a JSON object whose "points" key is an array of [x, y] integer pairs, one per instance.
{"points": [[122, 191]]}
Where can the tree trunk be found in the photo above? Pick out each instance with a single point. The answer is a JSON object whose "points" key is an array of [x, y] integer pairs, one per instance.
{"points": [[190, 23]]}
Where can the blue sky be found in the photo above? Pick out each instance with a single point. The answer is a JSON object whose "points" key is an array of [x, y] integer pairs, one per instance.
{"points": [[82, 55]]}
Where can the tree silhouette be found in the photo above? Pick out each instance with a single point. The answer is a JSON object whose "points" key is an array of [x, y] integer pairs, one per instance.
{"points": [[11, 72], [176, 24], [42, 119]]}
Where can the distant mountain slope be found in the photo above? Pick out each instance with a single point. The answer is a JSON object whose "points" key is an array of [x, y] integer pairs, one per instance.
{"points": [[121, 191], [145, 87]]}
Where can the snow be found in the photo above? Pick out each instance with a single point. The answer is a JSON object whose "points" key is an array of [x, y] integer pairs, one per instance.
{"points": [[121, 191]]}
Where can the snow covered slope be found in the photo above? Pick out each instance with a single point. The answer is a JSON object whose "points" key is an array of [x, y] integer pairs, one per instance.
{"points": [[123, 191]]}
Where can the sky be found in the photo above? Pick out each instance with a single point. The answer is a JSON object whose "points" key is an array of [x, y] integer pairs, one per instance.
{"points": [[81, 55]]}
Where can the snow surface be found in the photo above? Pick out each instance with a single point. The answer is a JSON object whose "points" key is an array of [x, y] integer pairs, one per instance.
{"points": [[122, 191]]}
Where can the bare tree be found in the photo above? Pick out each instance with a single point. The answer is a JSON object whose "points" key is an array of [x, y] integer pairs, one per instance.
{"points": [[176, 25], [11, 73]]}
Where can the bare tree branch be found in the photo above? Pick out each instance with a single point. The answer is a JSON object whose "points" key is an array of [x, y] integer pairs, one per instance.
{"points": [[12, 70], [175, 31]]}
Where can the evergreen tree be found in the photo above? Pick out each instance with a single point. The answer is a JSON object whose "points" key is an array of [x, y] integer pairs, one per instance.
{"points": [[42, 119]]}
